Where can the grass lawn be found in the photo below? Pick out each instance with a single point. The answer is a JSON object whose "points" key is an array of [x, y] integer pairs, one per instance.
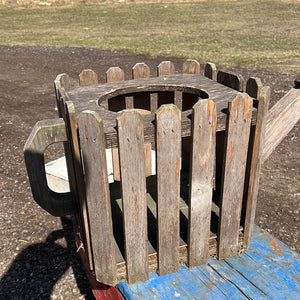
{"points": [[248, 32]]}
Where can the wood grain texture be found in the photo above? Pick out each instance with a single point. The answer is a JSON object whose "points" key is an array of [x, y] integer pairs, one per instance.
{"points": [[116, 74], [202, 169], [253, 87], [251, 187], [71, 124], [236, 148], [92, 145], [88, 77], [191, 66], [259, 273], [45, 133], [210, 71], [188, 100], [282, 117], [165, 68], [231, 79], [168, 144], [61, 81], [141, 100], [133, 179], [87, 98]]}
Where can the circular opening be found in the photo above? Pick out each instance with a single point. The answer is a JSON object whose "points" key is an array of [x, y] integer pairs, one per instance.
{"points": [[149, 99]]}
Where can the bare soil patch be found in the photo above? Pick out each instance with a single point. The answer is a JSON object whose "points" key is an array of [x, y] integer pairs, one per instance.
{"points": [[38, 258]]}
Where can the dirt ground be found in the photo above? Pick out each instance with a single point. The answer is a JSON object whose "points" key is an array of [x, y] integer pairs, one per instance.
{"points": [[38, 258]]}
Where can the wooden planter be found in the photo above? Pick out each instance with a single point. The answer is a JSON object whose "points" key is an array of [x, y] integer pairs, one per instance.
{"points": [[205, 138]]}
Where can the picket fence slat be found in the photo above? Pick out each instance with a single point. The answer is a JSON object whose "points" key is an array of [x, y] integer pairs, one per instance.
{"points": [[92, 144], [165, 68], [79, 178], [256, 161], [253, 87], [210, 71], [141, 100], [115, 74], [191, 66], [231, 79], [236, 148], [204, 120], [133, 180], [88, 77], [61, 81], [168, 148]]}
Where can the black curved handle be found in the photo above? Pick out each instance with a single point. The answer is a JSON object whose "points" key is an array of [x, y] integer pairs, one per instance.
{"points": [[45, 133]]}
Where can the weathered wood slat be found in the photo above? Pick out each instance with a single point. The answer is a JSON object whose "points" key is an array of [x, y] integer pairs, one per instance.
{"points": [[253, 87], [133, 179], [231, 79], [168, 144], [251, 187], [97, 196], [191, 66], [165, 68], [236, 147], [282, 117], [116, 74], [210, 71], [71, 124], [188, 101], [88, 77], [61, 81], [201, 181], [141, 100]]}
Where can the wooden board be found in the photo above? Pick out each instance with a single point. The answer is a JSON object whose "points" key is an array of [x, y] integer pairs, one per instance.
{"points": [[165, 68], [86, 98], [259, 273], [210, 71], [201, 181], [251, 187], [231, 79], [141, 100], [88, 77], [92, 145], [191, 66], [133, 180], [71, 124], [253, 87], [282, 117], [236, 148], [115, 74], [61, 81], [168, 150]]}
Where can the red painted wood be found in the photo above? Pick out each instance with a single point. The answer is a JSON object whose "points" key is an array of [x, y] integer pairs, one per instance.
{"points": [[101, 291]]}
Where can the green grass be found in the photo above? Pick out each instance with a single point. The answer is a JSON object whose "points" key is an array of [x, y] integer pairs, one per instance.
{"points": [[256, 33]]}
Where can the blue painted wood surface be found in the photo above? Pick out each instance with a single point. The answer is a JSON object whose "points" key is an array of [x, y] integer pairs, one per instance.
{"points": [[268, 270]]}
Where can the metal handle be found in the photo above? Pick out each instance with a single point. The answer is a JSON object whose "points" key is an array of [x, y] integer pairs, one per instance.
{"points": [[44, 134]]}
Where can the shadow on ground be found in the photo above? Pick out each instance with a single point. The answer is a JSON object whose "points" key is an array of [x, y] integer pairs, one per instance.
{"points": [[35, 271]]}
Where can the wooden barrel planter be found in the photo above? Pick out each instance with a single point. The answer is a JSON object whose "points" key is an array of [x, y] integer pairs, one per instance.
{"points": [[186, 153]]}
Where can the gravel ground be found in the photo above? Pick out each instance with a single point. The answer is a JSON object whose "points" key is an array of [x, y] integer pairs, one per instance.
{"points": [[38, 258]]}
